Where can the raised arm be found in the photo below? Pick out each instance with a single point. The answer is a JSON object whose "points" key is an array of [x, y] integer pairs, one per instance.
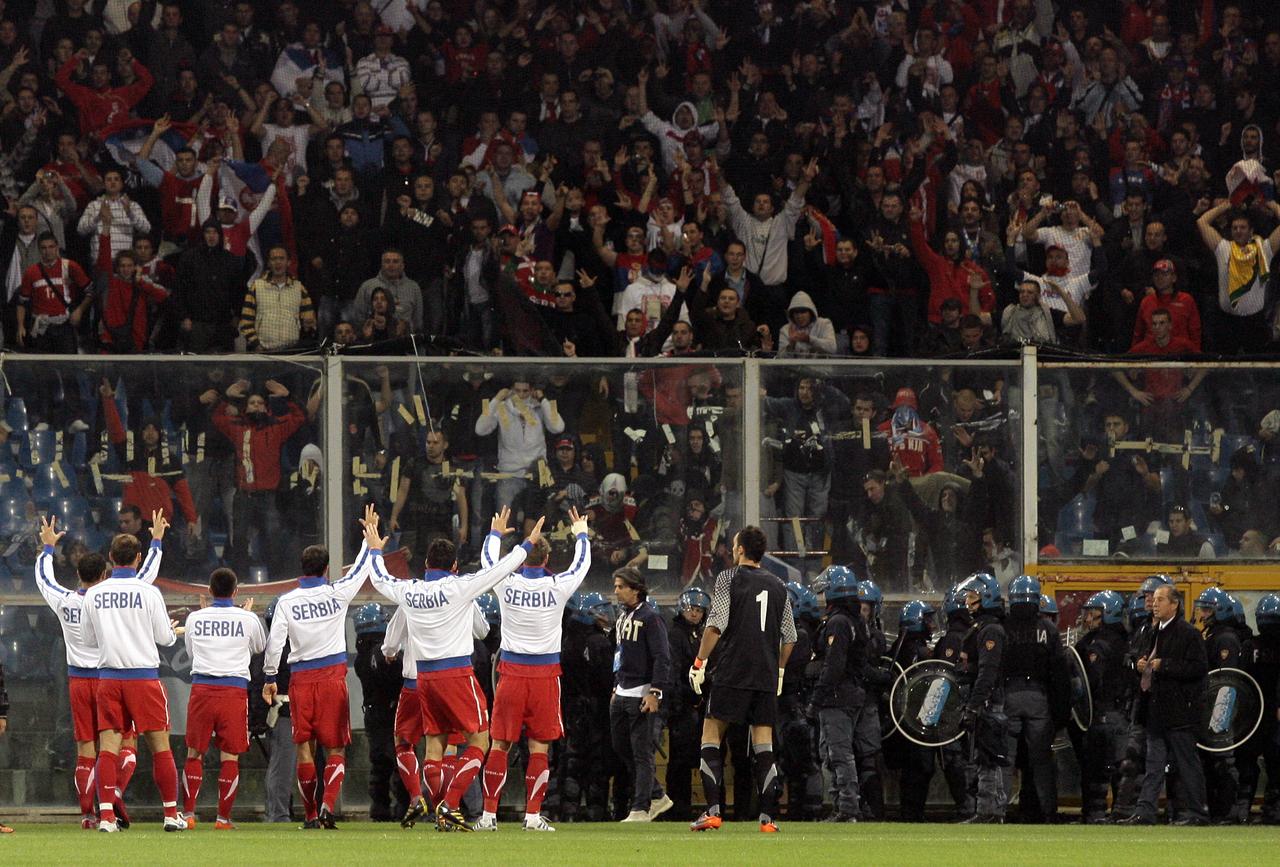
{"points": [[1208, 233]]}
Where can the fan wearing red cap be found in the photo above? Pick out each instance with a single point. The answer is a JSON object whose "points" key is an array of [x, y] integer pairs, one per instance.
{"points": [[1164, 294]]}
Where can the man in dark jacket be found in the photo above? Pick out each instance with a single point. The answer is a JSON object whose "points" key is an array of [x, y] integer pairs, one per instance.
{"points": [[683, 707], [642, 672], [1173, 677], [208, 293]]}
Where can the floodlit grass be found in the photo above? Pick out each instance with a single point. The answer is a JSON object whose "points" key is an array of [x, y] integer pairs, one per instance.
{"points": [[798, 845]]}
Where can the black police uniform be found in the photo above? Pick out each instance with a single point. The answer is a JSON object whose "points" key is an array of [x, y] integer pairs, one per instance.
{"points": [[868, 740], [913, 761], [1033, 656], [682, 708], [798, 747], [1222, 781], [587, 761], [1111, 686], [380, 682], [957, 765], [841, 701], [984, 655], [1261, 658]]}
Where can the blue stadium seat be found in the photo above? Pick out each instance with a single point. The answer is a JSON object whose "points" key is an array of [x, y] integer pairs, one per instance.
{"points": [[13, 488], [108, 511], [47, 482], [15, 413], [73, 513], [39, 447], [13, 514], [1231, 443]]}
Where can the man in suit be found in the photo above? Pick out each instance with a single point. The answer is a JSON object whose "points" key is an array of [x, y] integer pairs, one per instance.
{"points": [[1173, 679]]}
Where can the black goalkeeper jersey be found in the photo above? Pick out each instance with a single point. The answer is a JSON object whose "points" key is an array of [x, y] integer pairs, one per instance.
{"points": [[751, 609]]}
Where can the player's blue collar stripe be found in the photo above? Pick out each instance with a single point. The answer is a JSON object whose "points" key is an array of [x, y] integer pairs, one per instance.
{"points": [[123, 572], [309, 581], [435, 574], [223, 603]]}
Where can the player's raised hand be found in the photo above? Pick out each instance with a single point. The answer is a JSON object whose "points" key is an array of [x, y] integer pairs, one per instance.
{"points": [[248, 604], [49, 534], [499, 523], [577, 523], [372, 538], [158, 525], [536, 534]]}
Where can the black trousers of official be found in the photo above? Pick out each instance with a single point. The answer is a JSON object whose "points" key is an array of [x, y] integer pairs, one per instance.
{"points": [[1177, 748], [684, 745], [635, 740]]}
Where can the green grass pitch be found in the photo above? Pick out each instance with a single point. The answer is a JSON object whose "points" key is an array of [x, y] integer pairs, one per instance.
{"points": [[798, 845]]}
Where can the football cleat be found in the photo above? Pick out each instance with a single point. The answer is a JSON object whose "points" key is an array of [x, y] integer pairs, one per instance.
{"points": [[174, 823], [416, 811], [220, 825], [705, 822], [657, 808], [88, 823], [768, 827], [122, 815], [326, 819], [485, 823], [190, 819], [106, 827], [537, 823], [450, 820], [311, 825], [5, 829]]}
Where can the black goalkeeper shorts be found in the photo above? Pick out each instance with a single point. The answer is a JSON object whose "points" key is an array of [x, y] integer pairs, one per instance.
{"points": [[753, 707]]}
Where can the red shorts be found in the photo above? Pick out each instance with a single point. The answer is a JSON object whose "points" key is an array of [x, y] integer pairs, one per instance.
{"points": [[138, 704], [525, 702], [408, 717], [220, 709], [452, 703], [84, 707], [318, 706]]}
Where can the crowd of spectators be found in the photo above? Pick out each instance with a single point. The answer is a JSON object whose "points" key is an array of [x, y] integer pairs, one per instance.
{"points": [[870, 179]]}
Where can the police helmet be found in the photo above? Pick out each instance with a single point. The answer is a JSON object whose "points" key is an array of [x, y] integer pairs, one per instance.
{"points": [[1237, 610], [696, 597], [489, 605], [1216, 600], [1267, 612], [1154, 581], [915, 616], [987, 588], [1110, 603], [1048, 605], [370, 618], [1025, 589], [840, 583], [804, 602], [869, 591], [598, 606], [953, 602], [1137, 610]]}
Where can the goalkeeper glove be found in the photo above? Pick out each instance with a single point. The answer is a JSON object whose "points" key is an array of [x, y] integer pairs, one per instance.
{"points": [[697, 674]]}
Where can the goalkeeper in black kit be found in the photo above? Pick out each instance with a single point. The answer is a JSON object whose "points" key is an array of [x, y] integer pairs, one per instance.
{"points": [[745, 646]]}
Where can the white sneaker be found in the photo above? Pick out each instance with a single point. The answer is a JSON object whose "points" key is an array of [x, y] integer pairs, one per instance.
{"points": [[657, 808], [638, 816], [485, 823], [175, 823], [108, 827], [537, 823]]}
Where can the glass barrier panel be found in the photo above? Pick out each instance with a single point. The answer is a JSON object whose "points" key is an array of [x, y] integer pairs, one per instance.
{"points": [[907, 472], [1159, 462], [651, 452]]}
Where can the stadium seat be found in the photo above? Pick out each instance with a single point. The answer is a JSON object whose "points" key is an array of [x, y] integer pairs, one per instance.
{"points": [[52, 481], [15, 413], [39, 447], [13, 515], [74, 513], [107, 510]]}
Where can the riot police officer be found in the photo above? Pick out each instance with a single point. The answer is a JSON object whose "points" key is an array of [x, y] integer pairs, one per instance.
{"points": [[840, 701], [1102, 649], [587, 663], [983, 658], [682, 707], [795, 732], [915, 627], [1261, 658], [1032, 662], [1049, 609], [1216, 616], [956, 766], [380, 682], [878, 679], [1141, 639]]}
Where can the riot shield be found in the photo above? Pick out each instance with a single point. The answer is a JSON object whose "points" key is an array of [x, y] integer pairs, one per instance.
{"points": [[1231, 710], [926, 703]]}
